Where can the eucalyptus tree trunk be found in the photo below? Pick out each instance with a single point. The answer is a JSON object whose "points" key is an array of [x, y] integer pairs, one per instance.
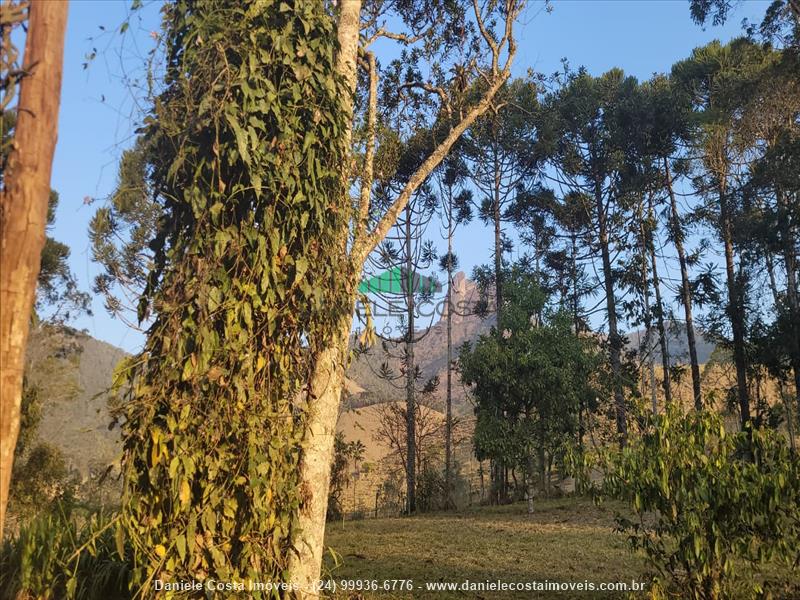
{"points": [[23, 213], [686, 292]]}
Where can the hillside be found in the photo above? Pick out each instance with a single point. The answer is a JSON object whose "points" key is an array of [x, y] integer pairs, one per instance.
{"points": [[73, 372]]}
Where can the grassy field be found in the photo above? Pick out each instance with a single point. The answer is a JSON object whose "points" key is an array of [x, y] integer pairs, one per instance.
{"points": [[566, 540]]}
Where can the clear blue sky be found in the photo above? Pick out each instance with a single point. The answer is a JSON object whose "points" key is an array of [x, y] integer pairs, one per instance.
{"points": [[97, 118]]}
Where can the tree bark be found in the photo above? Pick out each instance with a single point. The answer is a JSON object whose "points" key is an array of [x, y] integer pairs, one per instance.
{"points": [[686, 292], [23, 213], [315, 468]]}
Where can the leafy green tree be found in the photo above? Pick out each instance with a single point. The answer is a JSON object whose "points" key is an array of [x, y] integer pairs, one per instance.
{"points": [[527, 382], [781, 20]]}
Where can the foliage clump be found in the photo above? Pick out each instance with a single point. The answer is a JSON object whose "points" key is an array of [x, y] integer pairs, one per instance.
{"points": [[242, 152], [706, 501], [61, 554]]}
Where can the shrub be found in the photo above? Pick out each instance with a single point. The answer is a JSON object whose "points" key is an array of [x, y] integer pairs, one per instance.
{"points": [[61, 556], [704, 499]]}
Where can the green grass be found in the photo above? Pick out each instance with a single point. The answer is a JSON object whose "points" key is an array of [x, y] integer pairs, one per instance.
{"points": [[567, 539]]}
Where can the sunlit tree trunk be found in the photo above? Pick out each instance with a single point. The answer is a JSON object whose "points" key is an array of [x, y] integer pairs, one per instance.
{"points": [[327, 376], [23, 213]]}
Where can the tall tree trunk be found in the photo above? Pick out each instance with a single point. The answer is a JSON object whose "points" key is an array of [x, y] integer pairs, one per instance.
{"points": [[502, 478], [615, 340], [662, 330], [498, 244], [648, 315], [23, 213], [448, 426], [735, 309], [327, 379], [315, 468], [686, 292], [411, 441], [790, 264]]}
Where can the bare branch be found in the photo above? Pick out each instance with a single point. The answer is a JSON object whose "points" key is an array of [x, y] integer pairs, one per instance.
{"points": [[365, 245], [487, 36], [369, 152], [431, 89]]}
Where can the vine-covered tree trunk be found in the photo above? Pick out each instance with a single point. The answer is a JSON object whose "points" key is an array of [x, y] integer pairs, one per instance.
{"points": [[24, 213]]}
